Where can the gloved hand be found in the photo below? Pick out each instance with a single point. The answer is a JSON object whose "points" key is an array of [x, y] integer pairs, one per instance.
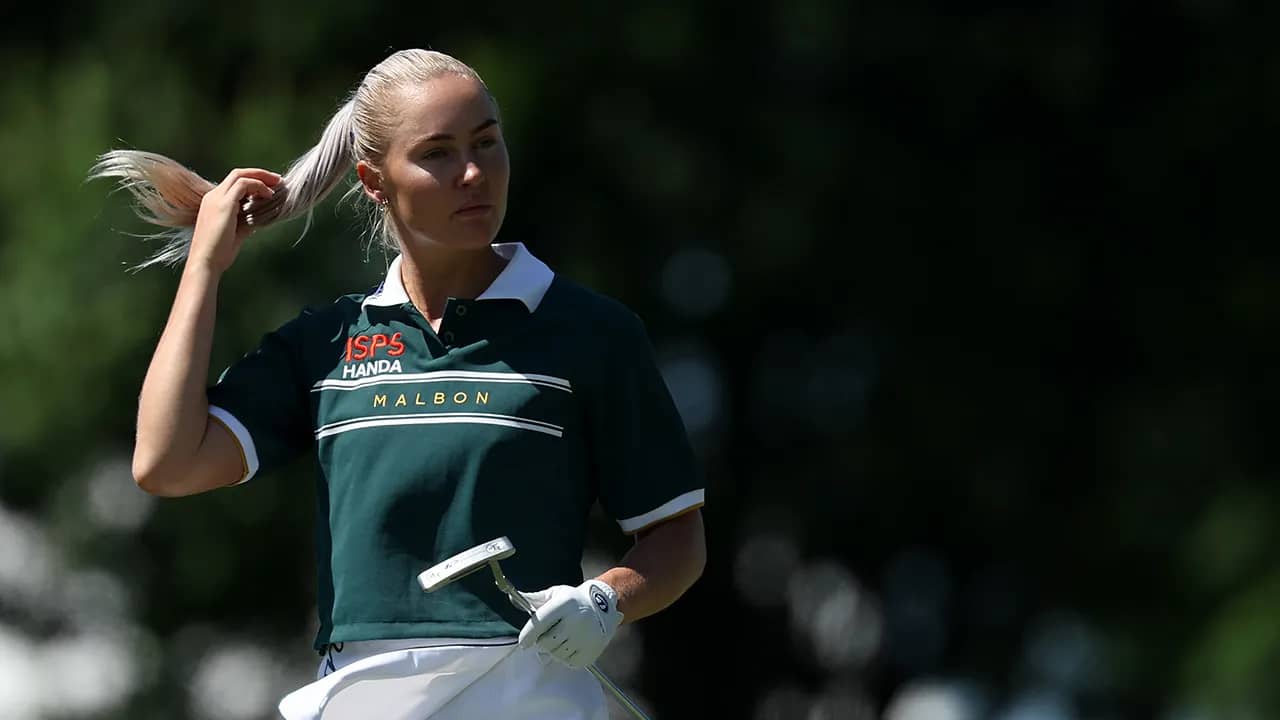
{"points": [[572, 624]]}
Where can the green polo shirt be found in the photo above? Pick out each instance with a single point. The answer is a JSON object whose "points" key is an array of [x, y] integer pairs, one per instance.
{"points": [[532, 402]]}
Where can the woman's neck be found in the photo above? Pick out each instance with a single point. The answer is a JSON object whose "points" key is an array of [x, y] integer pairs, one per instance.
{"points": [[433, 275]]}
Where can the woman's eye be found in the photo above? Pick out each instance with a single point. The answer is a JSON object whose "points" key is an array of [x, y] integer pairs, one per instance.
{"points": [[487, 142], [435, 154]]}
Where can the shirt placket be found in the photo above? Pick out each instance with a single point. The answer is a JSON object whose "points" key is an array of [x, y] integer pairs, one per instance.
{"points": [[453, 325]]}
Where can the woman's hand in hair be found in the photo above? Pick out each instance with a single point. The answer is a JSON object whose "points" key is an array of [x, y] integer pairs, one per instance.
{"points": [[220, 227]]}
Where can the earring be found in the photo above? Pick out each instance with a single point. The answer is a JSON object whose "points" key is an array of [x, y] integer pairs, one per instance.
{"points": [[384, 203]]}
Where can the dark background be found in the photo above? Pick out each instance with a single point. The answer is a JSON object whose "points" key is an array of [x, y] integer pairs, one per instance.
{"points": [[969, 310]]}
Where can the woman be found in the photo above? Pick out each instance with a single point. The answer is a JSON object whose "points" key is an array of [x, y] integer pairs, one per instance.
{"points": [[474, 394]]}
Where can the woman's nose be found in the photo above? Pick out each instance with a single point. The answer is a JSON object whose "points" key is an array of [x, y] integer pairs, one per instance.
{"points": [[471, 173]]}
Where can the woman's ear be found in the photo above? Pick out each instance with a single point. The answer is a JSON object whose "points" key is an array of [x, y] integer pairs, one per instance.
{"points": [[371, 179]]}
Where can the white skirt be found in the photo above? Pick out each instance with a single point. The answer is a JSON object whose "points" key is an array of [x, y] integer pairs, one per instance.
{"points": [[444, 679]]}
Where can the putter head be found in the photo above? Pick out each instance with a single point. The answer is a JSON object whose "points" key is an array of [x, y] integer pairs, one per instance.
{"points": [[465, 563]]}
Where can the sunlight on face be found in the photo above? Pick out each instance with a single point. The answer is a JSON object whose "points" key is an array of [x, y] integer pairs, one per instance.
{"points": [[446, 170]]}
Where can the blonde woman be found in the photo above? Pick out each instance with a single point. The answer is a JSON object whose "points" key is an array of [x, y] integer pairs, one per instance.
{"points": [[474, 394]]}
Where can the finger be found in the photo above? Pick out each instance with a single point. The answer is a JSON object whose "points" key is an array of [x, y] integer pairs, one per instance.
{"points": [[563, 654], [250, 188], [559, 648], [548, 632], [537, 599], [528, 634], [265, 176], [534, 630]]}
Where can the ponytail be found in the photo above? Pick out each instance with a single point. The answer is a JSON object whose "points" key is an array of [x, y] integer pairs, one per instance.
{"points": [[168, 194]]}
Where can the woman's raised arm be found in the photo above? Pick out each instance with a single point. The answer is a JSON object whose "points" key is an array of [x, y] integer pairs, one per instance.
{"points": [[179, 449]]}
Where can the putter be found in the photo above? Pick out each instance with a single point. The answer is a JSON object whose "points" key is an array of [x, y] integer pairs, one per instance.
{"points": [[488, 554]]}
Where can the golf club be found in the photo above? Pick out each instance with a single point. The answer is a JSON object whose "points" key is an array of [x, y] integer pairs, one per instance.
{"points": [[489, 554]]}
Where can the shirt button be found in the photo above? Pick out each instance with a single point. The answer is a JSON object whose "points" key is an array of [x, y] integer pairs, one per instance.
{"points": [[462, 310], [448, 337]]}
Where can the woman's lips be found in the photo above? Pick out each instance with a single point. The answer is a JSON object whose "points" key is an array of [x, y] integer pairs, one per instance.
{"points": [[473, 211]]}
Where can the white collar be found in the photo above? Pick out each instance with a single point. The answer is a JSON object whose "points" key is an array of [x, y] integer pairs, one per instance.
{"points": [[525, 278]]}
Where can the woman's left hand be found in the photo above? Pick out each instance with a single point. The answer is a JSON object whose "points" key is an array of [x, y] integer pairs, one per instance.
{"points": [[572, 624]]}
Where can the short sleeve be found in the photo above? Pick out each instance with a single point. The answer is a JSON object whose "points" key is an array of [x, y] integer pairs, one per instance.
{"points": [[258, 398], [641, 454]]}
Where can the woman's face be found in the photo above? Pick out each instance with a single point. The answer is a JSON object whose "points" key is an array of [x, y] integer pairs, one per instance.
{"points": [[446, 170]]}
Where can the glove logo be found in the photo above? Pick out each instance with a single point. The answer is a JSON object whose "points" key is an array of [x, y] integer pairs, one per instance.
{"points": [[600, 600]]}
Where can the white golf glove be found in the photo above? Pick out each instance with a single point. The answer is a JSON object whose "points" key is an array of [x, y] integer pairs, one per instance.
{"points": [[572, 624]]}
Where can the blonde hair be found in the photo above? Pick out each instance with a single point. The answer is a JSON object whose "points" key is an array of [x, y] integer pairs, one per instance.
{"points": [[168, 194]]}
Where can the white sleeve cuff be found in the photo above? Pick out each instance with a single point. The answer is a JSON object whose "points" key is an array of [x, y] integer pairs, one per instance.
{"points": [[671, 508], [248, 453]]}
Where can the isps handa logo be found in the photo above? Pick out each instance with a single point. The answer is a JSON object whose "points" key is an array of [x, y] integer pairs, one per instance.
{"points": [[362, 355]]}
